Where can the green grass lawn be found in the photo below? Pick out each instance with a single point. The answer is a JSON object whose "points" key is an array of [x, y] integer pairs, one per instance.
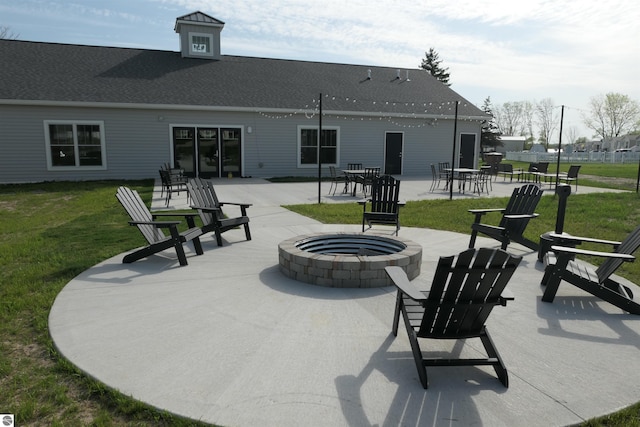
{"points": [[53, 231]]}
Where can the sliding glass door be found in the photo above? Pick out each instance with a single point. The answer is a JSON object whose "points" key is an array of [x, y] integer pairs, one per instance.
{"points": [[207, 152]]}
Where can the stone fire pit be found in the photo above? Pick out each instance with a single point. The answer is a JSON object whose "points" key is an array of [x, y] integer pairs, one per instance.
{"points": [[347, 260]]}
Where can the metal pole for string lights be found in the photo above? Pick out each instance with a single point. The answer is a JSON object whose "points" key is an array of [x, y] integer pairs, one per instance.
{"points": [[319, 144], [559, 147], [453, 154]]}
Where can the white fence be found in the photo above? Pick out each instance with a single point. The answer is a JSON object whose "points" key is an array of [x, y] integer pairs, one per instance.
{"points": [[576, 157]]}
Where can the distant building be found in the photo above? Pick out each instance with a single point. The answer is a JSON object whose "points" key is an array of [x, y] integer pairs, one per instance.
{"points": [[538, 148], [511, 143]]}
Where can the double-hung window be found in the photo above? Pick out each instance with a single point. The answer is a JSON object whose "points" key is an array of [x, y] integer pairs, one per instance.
{"points": [[308, 146], [73, 145]]}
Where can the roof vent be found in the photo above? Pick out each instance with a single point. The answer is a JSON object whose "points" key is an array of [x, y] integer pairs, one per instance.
{"points": [[407, 79], [368, 74]]}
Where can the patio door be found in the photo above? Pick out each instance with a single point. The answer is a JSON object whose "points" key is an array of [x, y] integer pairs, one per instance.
{"points": [[207, 152], [467, 150], [393, 153]]}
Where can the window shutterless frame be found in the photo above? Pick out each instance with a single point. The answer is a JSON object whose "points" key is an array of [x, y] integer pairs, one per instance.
{"points": [[308, 146], [72, 145]]}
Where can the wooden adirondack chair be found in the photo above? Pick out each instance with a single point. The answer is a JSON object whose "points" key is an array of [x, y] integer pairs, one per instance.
{"points": [[463, 293], [385, 206], [151, 229], [205, 200], [599, 282], [515, 218]]}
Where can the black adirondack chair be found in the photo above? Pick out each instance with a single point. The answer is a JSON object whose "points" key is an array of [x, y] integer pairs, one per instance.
{"points": [[205, 200], [515, 218], [599, 282], [151, 229], [463, 293], [384, 203]]}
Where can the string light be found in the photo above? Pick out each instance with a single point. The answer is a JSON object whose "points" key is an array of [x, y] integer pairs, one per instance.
{"points": [[441, 109]]}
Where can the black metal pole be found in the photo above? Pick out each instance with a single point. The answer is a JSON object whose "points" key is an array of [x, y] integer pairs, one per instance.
{"points": [[559, 147], [453, 154], [319, 145], [563, 191], [638, 179]]}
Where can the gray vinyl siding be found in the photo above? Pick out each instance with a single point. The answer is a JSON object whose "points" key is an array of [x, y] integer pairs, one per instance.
{"points": [[138, 141]]}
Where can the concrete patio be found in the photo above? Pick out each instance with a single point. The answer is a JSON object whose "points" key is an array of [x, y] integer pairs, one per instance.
{"points": [[229, 340]]}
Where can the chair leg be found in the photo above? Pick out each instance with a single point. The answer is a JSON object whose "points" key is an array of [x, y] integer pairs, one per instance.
{"points": [[396, 313], [247, 232], [415, 350], [197, 246], [492, 352], [472, 240]]}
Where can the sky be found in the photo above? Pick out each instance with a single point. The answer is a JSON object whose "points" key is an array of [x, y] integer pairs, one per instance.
{"points": [[504, 50]]}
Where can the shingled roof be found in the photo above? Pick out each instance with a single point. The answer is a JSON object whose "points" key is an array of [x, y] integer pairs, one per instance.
{"points": [[64, 73]]}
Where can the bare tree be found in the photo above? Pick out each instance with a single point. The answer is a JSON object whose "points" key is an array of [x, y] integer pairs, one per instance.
{"points": [[527, 113], [510, 118], [571, 133], [547, 120], [612, 115], [6, 33]]}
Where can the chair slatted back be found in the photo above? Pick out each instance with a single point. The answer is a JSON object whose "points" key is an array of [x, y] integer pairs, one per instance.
{"points": [[203, 194], [573, 171], [543, 167], [464, 291], [628, 246], [138, 211], [523, 201], [385, 193], [505, 167], [354, 166]]}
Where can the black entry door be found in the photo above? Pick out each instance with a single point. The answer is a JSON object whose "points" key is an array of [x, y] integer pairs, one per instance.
{"points": [[393, 153], [467, 150]]}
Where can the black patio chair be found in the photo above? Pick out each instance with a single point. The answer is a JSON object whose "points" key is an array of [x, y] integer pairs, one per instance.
{"points": [[601, 282], [151, 228], [515, 218], [464, 290], [337, 179], [384, 203], [205, 200]]}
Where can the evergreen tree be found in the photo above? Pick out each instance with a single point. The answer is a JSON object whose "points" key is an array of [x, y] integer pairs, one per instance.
{"points": [[431, 63], [490, 133]]}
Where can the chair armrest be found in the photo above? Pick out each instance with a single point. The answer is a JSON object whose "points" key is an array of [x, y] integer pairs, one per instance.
{"points": [[363, 201], [484, 211], [576, 251], [521, 216], [402, 203], [578, 239], [400, 279], [186, 214], [506, 296], [160, 224], [206, 208], [244, 205]]}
